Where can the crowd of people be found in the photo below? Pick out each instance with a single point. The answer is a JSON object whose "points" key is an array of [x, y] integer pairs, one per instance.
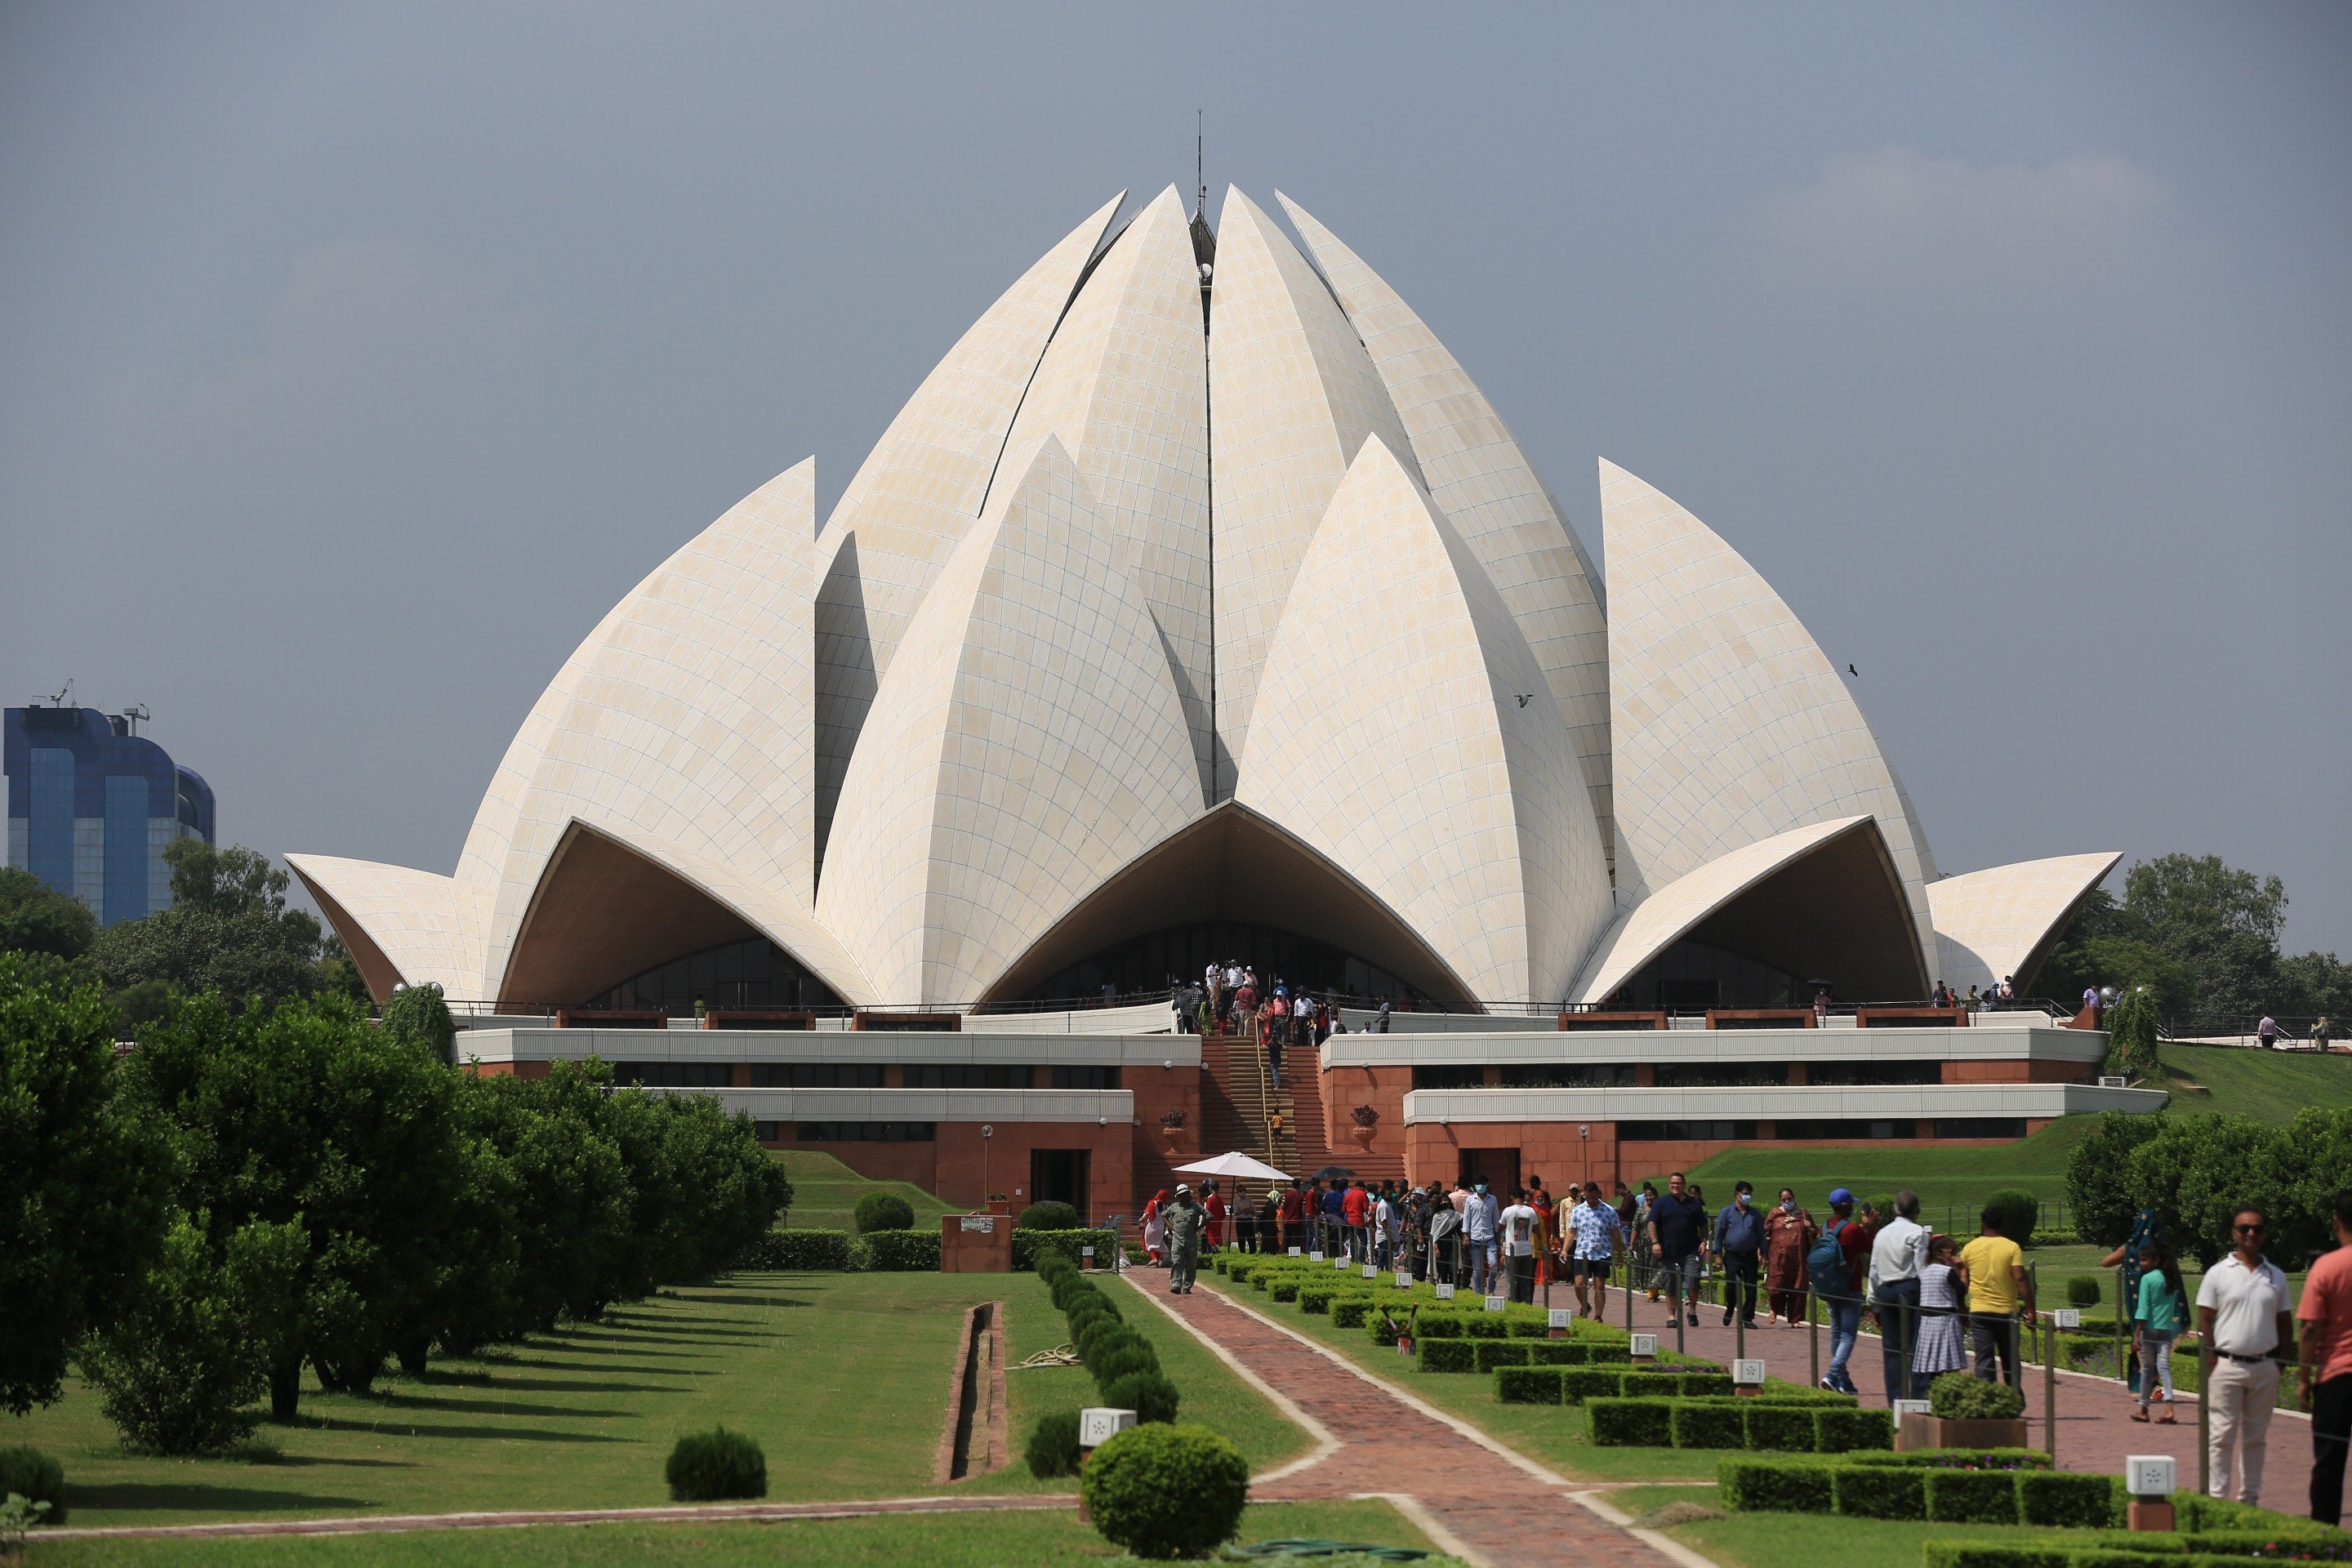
{"points": [[1229, 1000], [1941, 1305]]}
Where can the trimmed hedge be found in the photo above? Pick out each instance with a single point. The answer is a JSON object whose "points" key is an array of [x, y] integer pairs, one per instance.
{"points": [[1752, 1486], [36, 1478], [801, 1251], [1843, 1431], [1492, 1354], [1975, 1497], [1631, 1423], [1953, 1486], [896, 1251], [1881, 1491], [1831, 1430], [1350, 1311], [1054, 1445], [1284, 1289], [1149, 1394], [1447, 1355], [2050, 1497], [1028, 1246], [1527, 1386], [1701, 1426], [1780, 1427]]}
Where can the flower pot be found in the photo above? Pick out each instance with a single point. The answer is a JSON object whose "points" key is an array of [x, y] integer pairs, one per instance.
{"points": [[1917, 1432], [1173, 1137], [1362, 1135]]}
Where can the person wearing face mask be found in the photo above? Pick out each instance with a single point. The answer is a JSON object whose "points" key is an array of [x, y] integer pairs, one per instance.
{"points": [[1788, 1233], [1478, 1222], [1740, 1237]]}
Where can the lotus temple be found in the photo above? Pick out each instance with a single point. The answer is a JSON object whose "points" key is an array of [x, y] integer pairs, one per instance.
{"points": [[1199, 607]]}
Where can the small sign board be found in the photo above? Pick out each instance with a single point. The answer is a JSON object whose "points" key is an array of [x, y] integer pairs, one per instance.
{"points": [[1404, 1278], [1313, 1256], [1911, 1407], [1297, 1251], [1494, 1303], [1747, 1372], [1371, 1272], [2150, 1475], [1561, 1317], [1340, 1263], [985, 1223], [1444, 1293], [1644, 1347], [1098, 1425], [2067, 1316]]}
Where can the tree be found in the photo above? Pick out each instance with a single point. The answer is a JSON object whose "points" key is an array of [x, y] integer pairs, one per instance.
{"points": [[2131, 1031], [81, 1183], [2099, 1191], [228, 930], [420, 1018], [37, 917], [569, 1192]]}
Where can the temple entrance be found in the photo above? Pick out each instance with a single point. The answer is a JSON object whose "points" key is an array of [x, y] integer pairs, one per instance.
{"points": [[1499, 1168], [1060, 1175]]}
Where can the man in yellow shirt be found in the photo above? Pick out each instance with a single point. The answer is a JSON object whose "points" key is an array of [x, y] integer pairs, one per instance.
{"points": [[1993, 1269]]}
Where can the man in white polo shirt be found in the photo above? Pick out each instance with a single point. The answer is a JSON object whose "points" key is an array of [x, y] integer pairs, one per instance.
{"points": [[2243, 1313]]}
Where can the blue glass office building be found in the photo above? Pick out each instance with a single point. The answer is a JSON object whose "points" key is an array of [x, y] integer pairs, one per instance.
{"points": [[91, 807]]}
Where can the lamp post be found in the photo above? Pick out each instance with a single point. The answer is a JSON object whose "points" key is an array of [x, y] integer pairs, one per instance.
{"points": [[1584, 1147], [987, 1131]]}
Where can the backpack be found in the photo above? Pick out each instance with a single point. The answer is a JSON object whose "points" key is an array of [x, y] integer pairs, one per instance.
{"points": [[1826, 1262]]}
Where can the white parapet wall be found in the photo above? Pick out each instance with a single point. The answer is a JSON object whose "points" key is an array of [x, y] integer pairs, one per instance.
{"points": [[2033, 1101], [494, 1047], [1674, 1047]]}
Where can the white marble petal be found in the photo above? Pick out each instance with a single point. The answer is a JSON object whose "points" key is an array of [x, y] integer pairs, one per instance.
{"points": [[1027, 743], [427, 927], [1486, 488], [920, 489], [1405, 731], [1124, 387], [1998, 922], [1729, 723], [1292, 395]]}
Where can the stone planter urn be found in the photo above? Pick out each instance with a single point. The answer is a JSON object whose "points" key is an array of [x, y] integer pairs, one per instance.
{"points": [[1917, 1432], [1362, 1135], [1173, 1139]]}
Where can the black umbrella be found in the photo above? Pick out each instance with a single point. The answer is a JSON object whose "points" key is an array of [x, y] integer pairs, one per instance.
{"points": [[1327, 1171]]}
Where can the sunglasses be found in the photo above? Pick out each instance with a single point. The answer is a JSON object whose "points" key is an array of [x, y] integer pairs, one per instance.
{"points": [[2253, 1229]]}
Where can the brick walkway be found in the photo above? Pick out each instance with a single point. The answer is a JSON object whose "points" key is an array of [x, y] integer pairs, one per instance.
{"points": [[1474, 1495], [2096, 1431]]}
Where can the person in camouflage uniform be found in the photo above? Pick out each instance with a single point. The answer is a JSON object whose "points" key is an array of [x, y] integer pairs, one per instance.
{"points": [[1185, 1220]]}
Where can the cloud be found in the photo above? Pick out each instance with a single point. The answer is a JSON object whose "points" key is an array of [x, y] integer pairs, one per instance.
{"points": [[1896, 217]]}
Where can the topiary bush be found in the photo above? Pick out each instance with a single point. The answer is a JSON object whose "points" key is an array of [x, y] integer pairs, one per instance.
{"points": [[2017, 1212], [1579, 1383], [36, 1478], [1448, 1355], [716, 1466], [1053, 1446], [1051, 1215], [896, 1251], [1973, 1496], [1754, 1486], [2082, 1290], [1631, 1423], [1163, 1491], [884, 1211], [2052, 1498], [805, 1251], [1149, 1395], [1959, 1396], [1697, 1426], [1881, 1491], [1788, 1428], [1528, 1384], [1840, 1431], [1492, 1354], [1130, 1355]]}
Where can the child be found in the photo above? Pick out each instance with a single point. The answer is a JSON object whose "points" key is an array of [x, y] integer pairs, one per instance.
{"points": [[1938, 1347], [2157, 1321]]}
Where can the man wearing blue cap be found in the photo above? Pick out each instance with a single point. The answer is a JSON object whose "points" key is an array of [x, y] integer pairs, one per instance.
{"points": [[1836, 1264]]}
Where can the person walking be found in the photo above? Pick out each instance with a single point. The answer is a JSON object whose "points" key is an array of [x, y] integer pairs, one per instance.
{"points": [[1216, 1232], [1478, 1225], [1597, 1233], [1638, 1228], [2323, 1379], [1938, 1350], [1445, 1240], [2157, 1318], [1678, 1242], [1992, 1271], [1738, 1241], [1293, 1216], [1333, 1209], [2267, 1031], [2242, 1313], [1155, 1229], [1355, 1213], [1184, 1220], [1898, 1253], [1520, 1228], [1835, 1265], [1788, 1233]]}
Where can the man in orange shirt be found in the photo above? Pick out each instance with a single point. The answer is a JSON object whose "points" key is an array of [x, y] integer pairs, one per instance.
{"points": [[2325, 1312]]}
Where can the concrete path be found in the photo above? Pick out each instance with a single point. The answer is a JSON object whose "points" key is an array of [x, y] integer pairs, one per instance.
{"points": [[1473, 1496]]}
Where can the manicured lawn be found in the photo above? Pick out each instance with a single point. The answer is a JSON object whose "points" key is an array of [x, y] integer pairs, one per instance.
{"points": [[826, 1192], [842, 1379], [1959, 1178], [1042, 1540], [2269, 1086], [1558, 1435], [1805, 1540]]}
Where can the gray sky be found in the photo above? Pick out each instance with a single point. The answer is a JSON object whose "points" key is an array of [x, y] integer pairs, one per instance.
{"points": [[354, 361]]}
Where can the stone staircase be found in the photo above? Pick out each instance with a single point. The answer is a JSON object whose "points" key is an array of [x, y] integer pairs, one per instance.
{"points": [[1315, 1151]]}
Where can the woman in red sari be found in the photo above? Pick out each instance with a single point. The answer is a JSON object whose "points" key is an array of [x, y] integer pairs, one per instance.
{"points": [[1788, 1234]]}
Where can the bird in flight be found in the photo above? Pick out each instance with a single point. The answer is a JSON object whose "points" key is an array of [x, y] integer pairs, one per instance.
{"points": [[1855, 673]]}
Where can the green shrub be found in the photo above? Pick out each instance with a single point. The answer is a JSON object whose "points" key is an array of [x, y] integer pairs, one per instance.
{"points": [[1880, 1491], [803, 1251], [1786, 1427], [1350, 1311], [2018, 1213], [2305, 1536], [36, 1478], [1971, 1555], [1442, 1326], [1447, 1355], [896, 1251], [883, 1211], [1053, 1446], [1492, 1354], [1843, 1431], [1972, 1497], [1051, 1215], [1528, 1384], [1486, 1326], [1613, 1354], [2064, 1501], [1132, 1355], [1959, 1397], [1703, 1386], [1527, 1328], [1763, 1486], [1579, 1383], [1557, 1352], [2082, 1290], [715, 1466], [1284, 1290], [1631, 1423], [1163, 1491], [1149, 1394], [1957, 1458], [1699, 1425], [176, 1367], [1031, 1247], [1317, 1298]]}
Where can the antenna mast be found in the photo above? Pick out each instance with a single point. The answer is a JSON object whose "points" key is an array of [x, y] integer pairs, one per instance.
{"points": [[1200, 160]]}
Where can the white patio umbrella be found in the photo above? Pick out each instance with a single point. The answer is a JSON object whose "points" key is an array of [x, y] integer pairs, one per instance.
{"points": [[1236, 1164]]}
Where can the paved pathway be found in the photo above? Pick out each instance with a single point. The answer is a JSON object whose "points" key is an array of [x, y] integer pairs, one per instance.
{"points": [[1472, 1495], [2094, 1426]]}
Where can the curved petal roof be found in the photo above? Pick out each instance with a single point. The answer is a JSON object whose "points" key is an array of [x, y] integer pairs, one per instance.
{"points": [[1998, 922], [401, 926], [1292, 395], [1484, 484], [1026, 744], [1729, 724], [921, 487], [1404, 731], [686, 713], [1125, 388]]}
